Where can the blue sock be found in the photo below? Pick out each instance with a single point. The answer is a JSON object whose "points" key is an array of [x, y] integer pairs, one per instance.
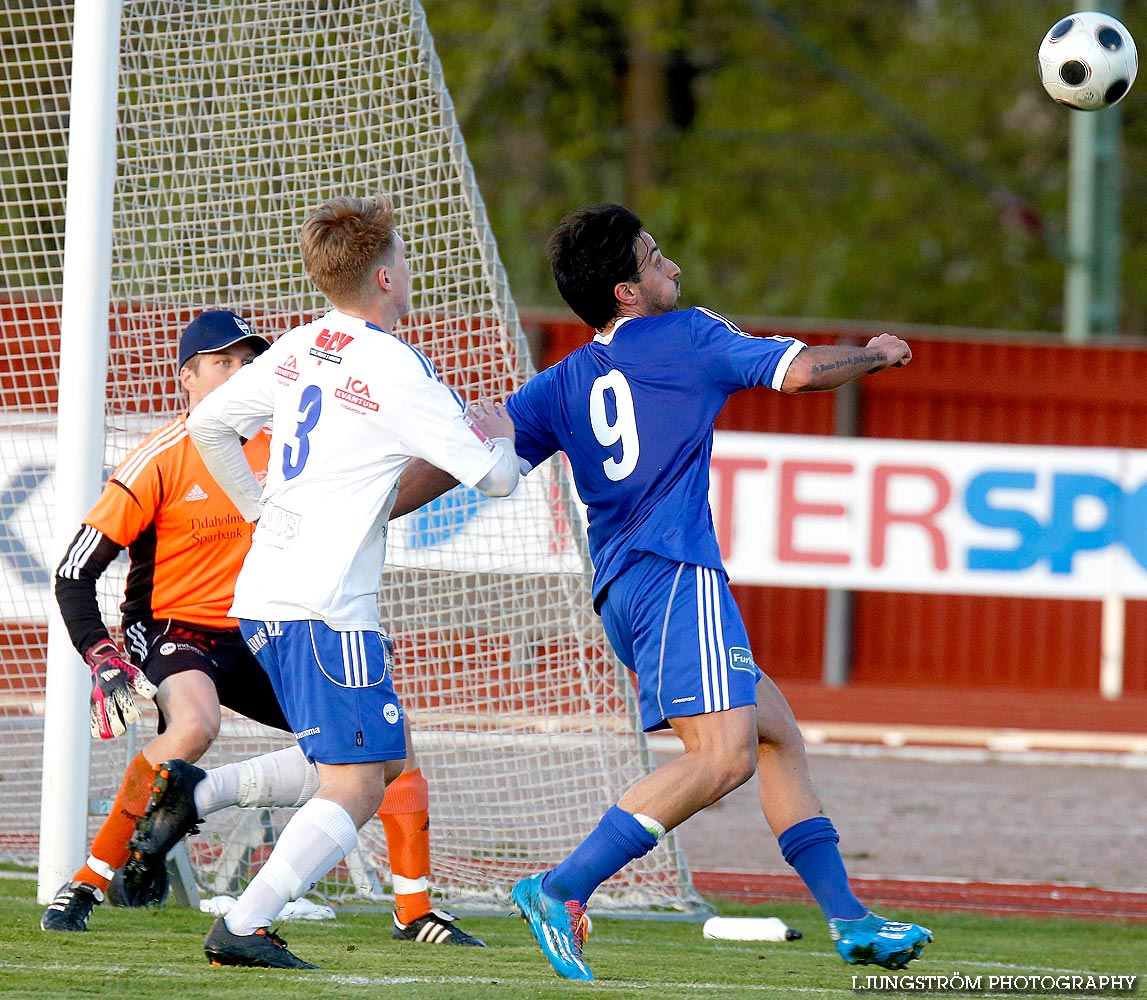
{"points": [[810, 847], [617, 840]]}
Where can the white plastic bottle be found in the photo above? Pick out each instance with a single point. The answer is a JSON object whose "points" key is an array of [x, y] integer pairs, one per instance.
{"points": [[749, 929]]}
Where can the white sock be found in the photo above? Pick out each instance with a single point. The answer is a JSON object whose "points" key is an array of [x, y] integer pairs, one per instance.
{"points": [[316, 839], [283, 778]]}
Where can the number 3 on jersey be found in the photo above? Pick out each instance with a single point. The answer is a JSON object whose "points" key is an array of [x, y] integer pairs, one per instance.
{"points": [[295, 456], [624, 425]]}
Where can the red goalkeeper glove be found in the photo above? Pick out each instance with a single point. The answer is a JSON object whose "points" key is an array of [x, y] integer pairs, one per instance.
{"points": [[114, 679]]}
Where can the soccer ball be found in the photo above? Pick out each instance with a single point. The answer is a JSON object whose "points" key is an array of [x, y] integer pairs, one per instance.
{"points": [[1088, 61]]}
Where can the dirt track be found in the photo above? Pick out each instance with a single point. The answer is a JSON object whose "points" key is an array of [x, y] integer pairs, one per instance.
{"points": [[996, 820]]}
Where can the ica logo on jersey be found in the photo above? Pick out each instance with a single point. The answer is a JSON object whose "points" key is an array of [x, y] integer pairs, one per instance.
{"points": [[355, 395], [327, 345], [289, 369]]}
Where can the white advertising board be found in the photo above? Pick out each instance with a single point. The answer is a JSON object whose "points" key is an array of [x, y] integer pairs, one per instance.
{"points": [[875, 514]]}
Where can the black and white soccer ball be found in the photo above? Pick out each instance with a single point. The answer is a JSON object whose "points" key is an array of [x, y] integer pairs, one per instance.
{"points": [[1088, 61]]}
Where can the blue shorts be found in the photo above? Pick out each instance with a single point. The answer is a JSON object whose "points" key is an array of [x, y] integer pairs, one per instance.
{"points": [[336, 689], [677, 627]]}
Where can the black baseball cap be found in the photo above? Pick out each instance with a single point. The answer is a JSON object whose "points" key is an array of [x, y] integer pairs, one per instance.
{"points": [[215, 330]]}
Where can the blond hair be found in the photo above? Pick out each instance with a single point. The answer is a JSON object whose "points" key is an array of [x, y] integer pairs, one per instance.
{"points": [[341, 243]]}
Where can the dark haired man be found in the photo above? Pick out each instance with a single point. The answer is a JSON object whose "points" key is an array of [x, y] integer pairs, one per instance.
{"points": [[633, 410]]}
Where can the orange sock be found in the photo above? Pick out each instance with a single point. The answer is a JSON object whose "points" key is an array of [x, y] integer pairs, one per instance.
{"points": [[405, 815], [109, 849]]}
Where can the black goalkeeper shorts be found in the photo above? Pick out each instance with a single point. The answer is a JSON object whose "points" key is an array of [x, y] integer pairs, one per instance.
{"points": [[165, 648]]}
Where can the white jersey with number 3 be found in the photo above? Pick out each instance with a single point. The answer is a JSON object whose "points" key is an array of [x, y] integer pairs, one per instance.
{"points": [[349, 405]]}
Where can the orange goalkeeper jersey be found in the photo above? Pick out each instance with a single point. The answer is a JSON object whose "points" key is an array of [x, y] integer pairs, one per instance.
{"points": [[185, 538]]}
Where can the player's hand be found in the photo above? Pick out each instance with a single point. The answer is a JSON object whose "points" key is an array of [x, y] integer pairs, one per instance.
{"points": [[491, 418], [894, 348], [113, 680]]}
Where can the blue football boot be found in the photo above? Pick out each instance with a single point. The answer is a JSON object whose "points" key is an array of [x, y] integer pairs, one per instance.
{"points": [[559, 928], [872, 940]]}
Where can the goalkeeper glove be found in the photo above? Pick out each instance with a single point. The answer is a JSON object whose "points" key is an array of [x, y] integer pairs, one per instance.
{"points": [[114, 678]]}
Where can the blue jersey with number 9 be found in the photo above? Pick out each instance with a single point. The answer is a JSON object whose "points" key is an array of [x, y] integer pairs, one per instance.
{"points": [[633, 410]]}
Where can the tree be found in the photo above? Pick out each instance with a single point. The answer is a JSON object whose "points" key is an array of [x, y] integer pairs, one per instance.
{"points": [[887, 162]]}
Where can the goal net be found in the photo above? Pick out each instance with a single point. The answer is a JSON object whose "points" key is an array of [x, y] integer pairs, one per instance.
{"points": [[234, 120]]}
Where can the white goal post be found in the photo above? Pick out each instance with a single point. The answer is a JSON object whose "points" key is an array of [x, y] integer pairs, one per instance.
{"points": [[230, 122]]}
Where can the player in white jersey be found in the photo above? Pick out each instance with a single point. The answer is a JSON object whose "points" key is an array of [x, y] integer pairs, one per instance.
{"points": [[350, 407]]}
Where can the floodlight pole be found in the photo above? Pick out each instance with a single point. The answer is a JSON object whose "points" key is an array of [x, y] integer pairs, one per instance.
{"points": [[1106, 241], [1091, 290], [1077, 287], [840, 604], [80, 423], [1091, 281]]}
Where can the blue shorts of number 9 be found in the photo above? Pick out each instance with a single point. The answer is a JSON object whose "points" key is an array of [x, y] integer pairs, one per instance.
{"points": [[677, 627], [336, 689]]}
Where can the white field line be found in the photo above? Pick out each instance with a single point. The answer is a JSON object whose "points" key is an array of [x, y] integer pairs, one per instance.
{"points": [[542, 982]]}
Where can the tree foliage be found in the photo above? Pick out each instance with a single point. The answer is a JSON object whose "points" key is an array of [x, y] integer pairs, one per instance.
{"points": [[847, 159]]}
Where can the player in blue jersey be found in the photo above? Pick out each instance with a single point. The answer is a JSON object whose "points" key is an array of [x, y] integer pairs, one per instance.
{"points": [[633, 410]]}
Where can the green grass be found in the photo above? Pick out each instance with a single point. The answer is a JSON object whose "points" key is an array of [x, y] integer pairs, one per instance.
{"points": [[158, 954]]}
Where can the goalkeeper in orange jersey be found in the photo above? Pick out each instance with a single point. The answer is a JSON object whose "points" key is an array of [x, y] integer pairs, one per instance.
{"points": [[186, 542]]}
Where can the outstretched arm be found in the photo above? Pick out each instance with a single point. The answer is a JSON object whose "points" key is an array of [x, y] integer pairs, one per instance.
{"points": [[422, 482], [493, 420], [221, 449], [830, 367]]}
